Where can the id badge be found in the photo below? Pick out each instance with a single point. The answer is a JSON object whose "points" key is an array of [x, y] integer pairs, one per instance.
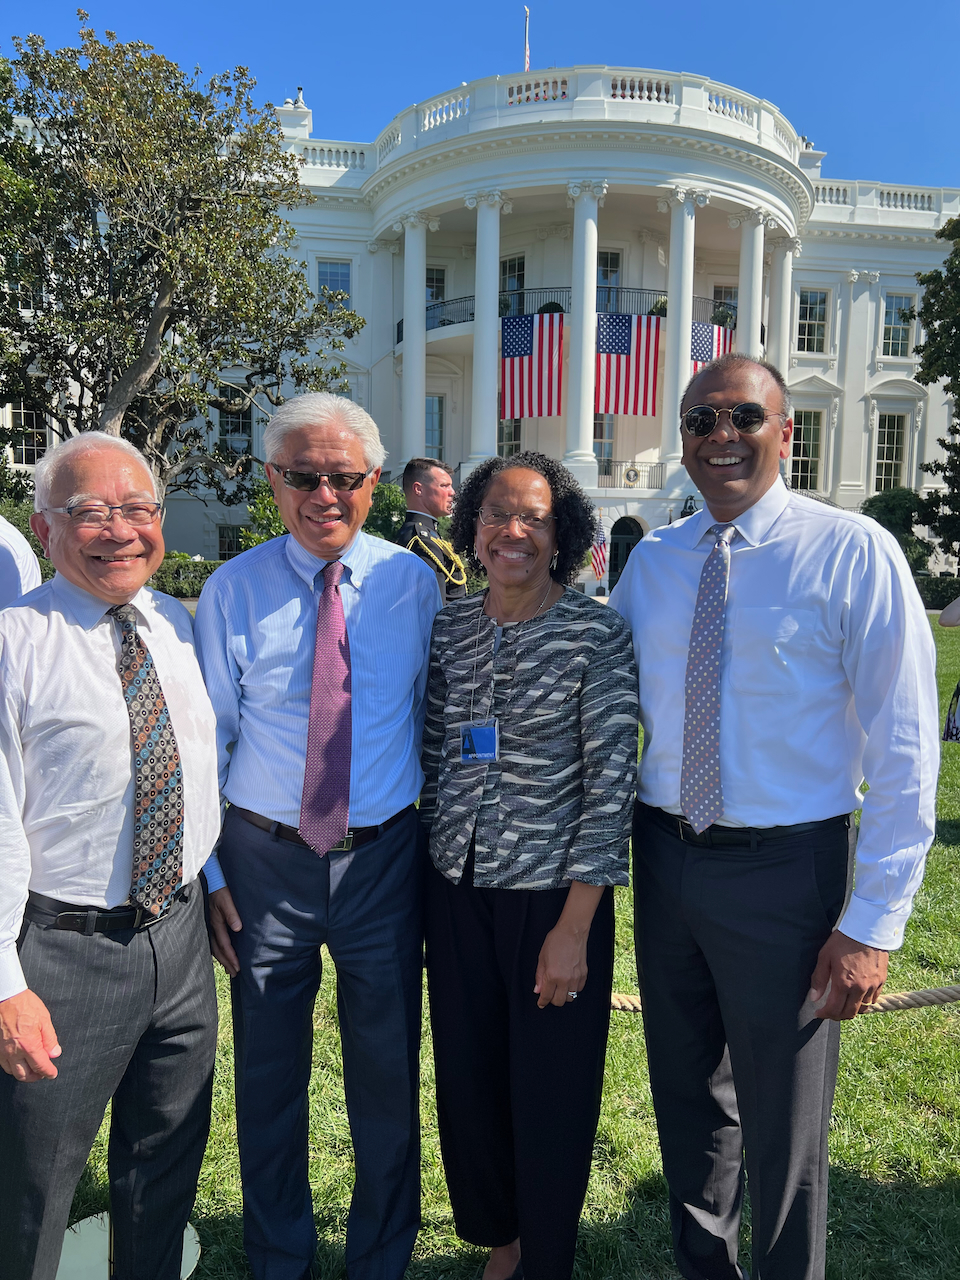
{"points": [[479, 740]]}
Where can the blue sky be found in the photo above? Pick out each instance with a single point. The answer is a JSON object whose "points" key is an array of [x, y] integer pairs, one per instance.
{"points": [[870, 83]]}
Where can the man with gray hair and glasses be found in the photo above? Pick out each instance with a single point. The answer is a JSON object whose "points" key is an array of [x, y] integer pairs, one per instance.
{"points": [[784, 656], [315, 647], [108, 809]]}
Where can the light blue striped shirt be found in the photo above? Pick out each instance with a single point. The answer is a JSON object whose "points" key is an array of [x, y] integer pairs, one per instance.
{"points": [[255, 628]]}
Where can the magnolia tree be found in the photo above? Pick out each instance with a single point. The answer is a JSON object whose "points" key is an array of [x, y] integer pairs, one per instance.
{"points": [[152, 276]]}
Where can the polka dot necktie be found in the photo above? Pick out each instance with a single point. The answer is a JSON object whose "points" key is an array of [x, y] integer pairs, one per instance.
{"points": [[701, 793], [325, 803], [158, 777]]}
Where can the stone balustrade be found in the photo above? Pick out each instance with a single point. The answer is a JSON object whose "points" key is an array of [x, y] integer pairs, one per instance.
{"points": [[868, 195], [595, 94]]}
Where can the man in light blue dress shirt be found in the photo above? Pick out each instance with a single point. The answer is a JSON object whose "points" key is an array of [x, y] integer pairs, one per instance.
{"points": [[274, 900]]}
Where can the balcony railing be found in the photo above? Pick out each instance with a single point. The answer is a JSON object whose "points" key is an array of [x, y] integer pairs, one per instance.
{"points": [[611, 300], [629, 475]]}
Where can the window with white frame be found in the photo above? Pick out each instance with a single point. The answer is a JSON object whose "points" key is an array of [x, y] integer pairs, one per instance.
{"points": [[603, 425], [334, 276], [508, 437], [236, 425], [805, 459], [228, 540], [725, 293], [31, 442], [608, 280], [434, 425], [896, 330], [812, 320], [436, 284], [891, 439]]}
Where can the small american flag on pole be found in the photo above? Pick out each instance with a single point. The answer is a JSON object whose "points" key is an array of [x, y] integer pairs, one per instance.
{"points": [[526, 39], [628, 351], [708, 342], [531, 365], [598, 555]]}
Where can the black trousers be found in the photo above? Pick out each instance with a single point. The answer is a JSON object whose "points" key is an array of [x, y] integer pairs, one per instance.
{"points": [[727, 941], [136, 1017], [518, 1088], [366, 907]]}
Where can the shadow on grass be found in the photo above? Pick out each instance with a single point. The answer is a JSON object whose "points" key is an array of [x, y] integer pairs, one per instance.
{"points": [[948, 831]]}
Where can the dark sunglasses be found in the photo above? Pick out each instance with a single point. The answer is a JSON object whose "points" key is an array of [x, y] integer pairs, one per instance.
{"points": [[307, 481], [702, 419]]}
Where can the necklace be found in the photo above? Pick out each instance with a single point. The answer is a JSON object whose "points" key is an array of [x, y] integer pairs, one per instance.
{"points": [[516, 621]]}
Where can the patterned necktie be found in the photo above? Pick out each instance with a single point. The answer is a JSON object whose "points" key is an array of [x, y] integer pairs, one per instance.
{"points": [[325, 805], [701, 793], [158, 777]]}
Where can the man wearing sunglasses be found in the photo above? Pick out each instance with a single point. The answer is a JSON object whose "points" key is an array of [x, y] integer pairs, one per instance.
{"points": [[784, 657], [314, 647]]}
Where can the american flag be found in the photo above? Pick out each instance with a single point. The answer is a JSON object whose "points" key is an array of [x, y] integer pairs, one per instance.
{"points": [[531, 365], [598, 555], [628, 350], [707, 342]]}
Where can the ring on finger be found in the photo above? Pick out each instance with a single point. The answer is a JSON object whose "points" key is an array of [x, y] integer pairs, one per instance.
{"points": [[572, 995]]}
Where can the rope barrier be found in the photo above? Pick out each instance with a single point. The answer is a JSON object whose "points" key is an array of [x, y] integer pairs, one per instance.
{"points": [[932, 996], [913, 1000]]}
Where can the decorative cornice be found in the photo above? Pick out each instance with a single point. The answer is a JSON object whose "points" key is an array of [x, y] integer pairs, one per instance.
{"points": [[587, 187], [867, 233], [388, 246], [475, 198], [415, 218], [519, 141], [561, 230]]}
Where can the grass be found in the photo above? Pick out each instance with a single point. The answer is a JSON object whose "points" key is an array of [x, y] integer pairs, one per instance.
{"points": [[895, 1137]]}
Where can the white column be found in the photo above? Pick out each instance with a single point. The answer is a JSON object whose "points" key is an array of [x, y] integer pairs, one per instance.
{"points": [[584, 196], [486, 326], [781, 285], [681, 206], [750, 284], [413, 389]]}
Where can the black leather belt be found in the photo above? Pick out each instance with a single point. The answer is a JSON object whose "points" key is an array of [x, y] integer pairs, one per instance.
{"points": [[731, 837], [354, 838], [53, 914]]}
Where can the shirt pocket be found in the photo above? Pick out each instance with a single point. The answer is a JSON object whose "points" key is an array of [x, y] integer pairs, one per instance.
{"points": [[767, 650]]}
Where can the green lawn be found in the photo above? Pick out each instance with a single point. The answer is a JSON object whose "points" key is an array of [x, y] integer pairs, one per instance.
{"points": [[895, 1143]]}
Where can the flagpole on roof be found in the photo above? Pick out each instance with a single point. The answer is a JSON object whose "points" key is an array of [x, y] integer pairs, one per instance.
{"points": [[526, 39]]}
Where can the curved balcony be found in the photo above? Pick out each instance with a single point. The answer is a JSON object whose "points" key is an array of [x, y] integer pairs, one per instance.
{"points": [[611, 300]]}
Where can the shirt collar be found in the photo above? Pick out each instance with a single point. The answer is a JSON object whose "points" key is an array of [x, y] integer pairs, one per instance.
{"points": [[753, 525], [88, 609], [354, 560], [414, 511]]}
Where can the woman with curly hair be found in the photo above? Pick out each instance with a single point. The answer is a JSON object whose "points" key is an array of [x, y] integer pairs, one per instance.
{"points": [[529, 752]]}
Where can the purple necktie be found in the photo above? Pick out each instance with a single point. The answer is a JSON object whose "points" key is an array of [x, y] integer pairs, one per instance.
{"points": [[325, 805], [701, 793]]}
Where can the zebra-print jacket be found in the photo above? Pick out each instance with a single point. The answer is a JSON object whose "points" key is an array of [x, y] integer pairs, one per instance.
{"points": [[557, 806]]}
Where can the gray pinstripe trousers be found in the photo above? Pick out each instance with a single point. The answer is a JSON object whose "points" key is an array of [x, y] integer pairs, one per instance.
{"points": [[136, 1017]]}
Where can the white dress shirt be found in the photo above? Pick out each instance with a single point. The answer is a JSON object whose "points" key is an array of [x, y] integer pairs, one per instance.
{"points": [[827, 677], [19, 567], [256, 629], [66, 759]]}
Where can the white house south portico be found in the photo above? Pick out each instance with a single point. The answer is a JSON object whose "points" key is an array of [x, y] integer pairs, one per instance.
{"points": [[600, 191]]}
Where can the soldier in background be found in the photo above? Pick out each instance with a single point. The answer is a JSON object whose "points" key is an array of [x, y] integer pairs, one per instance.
{"points": [[428, 488]]}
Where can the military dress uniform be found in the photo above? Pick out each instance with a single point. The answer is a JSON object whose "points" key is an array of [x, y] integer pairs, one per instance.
{"points": [[418, 533]]}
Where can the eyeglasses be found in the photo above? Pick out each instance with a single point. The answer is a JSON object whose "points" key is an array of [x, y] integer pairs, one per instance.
{"points": [[745, 419], [526, 519], [307, 481], [97, 515]]}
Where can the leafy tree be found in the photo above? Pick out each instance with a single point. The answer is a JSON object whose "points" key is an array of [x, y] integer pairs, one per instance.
{"points": [[939, 313], [898, 510], [150, 261], [264, 516], [387, 510]]}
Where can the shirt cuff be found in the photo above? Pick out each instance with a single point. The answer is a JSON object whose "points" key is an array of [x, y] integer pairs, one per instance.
{"points": [[214, 876], [12, 981], [875, 925]]}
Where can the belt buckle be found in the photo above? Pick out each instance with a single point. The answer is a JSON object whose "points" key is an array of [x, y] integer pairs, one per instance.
{"points": [[344, 845]]}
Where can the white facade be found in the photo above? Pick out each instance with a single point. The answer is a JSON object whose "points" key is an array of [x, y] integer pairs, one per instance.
{"points": [[678, 187]]}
